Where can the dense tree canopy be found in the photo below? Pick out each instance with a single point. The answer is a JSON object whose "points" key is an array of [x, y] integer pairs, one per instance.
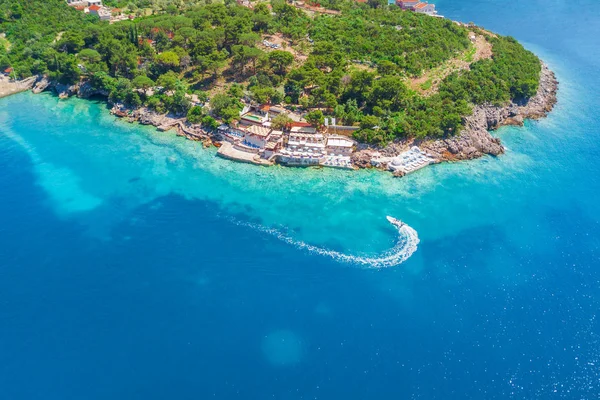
{"points": [[354, 66]]}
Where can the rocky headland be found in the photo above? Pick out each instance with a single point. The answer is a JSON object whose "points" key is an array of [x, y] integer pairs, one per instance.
{"points": [[474, 140]]}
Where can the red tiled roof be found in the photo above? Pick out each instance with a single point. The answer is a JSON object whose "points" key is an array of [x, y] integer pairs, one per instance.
{"points": [[300, 124], [8, 70], [94, 8], [421, 5]]}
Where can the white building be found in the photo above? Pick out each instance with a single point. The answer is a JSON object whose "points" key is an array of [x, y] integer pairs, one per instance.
{"points": [[425, 8], [256, 136], [303, 149], [339, 146], [274, 144], [339, 151], [304, 129]]}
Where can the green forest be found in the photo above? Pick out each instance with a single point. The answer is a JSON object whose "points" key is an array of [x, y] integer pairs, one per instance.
{"points": [[353, 66]]}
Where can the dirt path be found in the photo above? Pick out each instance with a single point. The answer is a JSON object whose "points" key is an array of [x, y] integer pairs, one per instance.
{"points": [[428, 83]]}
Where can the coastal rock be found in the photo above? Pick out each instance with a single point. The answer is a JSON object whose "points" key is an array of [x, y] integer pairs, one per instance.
{"points": [[63, 91], [9, 86], [86, 90], [543, 102], [362, 158], [475, 140], [41, 84], [147, 117]]}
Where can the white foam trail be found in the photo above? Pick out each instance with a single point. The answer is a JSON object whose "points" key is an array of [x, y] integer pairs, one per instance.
{"points": [[402, 250]]}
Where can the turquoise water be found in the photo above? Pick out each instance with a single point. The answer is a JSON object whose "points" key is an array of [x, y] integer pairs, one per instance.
{"points": [[137, 264]]}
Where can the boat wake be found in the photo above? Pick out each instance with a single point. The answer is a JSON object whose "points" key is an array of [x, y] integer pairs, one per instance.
{"points": [[405, 246]]}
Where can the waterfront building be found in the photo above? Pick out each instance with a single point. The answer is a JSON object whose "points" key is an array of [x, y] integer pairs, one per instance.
{"points": [[302, 127], [303, 149], [338, 152], [274, 144], [339, 146], [417, 6], [425, 8], [407, 4], [256, 136]]}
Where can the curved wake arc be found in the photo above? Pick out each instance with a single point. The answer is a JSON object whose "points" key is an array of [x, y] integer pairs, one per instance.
{"points": [[405, 246]]}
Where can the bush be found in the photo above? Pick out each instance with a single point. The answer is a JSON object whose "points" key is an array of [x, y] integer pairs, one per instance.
{"points": [[195, 114]]}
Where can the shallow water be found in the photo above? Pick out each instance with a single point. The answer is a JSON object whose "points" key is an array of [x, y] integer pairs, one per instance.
{"points": [[136, 264]]}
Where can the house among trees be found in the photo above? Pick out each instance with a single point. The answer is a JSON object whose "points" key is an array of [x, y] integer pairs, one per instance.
{"points": [[95, 7], [407, 4], [102, 12], [425, 8], [417, 6]]}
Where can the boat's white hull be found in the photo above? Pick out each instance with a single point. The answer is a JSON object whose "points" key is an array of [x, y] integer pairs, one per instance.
{"points": [[395, 222]]}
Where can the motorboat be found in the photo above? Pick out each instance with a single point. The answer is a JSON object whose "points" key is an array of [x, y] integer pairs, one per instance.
{"points": [[395, 222]]}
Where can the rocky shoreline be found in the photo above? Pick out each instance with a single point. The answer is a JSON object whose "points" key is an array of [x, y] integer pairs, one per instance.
{"points": [[144, 116], [8, 86], [473, 142], [475, 139]]}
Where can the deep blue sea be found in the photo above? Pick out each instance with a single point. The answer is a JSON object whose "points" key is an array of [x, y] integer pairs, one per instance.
{"points": [[136, 265]]}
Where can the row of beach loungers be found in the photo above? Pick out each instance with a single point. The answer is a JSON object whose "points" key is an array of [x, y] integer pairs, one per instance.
{"points": [[331, 161], [414, 165]]}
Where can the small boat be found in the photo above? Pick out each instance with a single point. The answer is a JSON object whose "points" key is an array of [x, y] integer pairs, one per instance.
{"points": [[395, 222]]}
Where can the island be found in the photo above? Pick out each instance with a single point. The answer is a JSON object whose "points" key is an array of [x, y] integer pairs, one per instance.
{"points": [[339, 83]]}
